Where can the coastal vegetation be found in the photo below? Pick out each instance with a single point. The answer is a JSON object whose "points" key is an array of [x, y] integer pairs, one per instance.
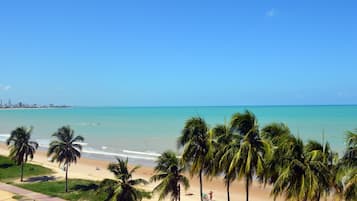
{"points": [[21, 147], [78, 189], [197, 151], [65, 149], [9, 170], [169, 172], [124, 187], [239, 150]]}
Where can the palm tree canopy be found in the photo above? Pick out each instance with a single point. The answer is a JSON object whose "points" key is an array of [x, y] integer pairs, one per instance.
{"points": [[243, 122], [275, 132], [350, 156], [66, 148], [350, 192], [249, 158], [124, 187], [197, 147], [170, 173], [21, 147], [303, 175], [227, 145], [196, 128]]}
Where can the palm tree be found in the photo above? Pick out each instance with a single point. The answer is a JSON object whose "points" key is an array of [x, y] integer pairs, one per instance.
{"points": [[21, 147], [227, 145], [197, 149], [350, 156], [249, 159], [124, 187], [301, 174], [349, 165], [275, 132], [350, 191], [278, 134], [66, 149], [323, 153], [169, 171]]}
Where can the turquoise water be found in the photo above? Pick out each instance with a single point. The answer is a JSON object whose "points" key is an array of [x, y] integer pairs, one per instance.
{"points": [[143, 132]]}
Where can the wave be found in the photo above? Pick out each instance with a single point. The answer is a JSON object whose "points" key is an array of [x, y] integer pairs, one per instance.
{"points": [[46, 142], [4, 137], [130, 156], [141, 153], [152, 156]]}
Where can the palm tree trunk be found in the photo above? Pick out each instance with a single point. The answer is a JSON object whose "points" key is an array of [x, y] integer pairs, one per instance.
{"points": [[22, 172], [247, 188], [201, 190], [179, 192], [67, 177], [318, 196], [228, 196]]}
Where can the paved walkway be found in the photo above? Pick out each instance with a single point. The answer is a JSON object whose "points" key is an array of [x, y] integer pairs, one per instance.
{"points": [[27, 193]]}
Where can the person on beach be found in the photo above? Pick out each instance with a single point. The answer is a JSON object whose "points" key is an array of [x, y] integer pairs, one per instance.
{"points": [[211, 195]]}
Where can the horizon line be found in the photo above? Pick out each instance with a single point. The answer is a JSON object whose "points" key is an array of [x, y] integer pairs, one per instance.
{"points": [[257, 105]]}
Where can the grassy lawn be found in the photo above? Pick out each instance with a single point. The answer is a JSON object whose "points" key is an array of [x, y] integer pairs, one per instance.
{"points": [[8, 170], [78, 189]]}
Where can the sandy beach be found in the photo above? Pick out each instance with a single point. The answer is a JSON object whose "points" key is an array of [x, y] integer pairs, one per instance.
{"points": [[97, 170], [6, 196]]}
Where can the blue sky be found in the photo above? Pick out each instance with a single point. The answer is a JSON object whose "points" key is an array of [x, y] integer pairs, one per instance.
{"points": [[159, 53]]}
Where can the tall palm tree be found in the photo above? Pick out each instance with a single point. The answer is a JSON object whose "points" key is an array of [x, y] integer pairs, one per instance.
{"points": [[66, 149], [249, 160], [124, 188], [21, 147], [227, 145], [301, 174], [169, 172], [277, 134], [197, 149], [315, 151]]}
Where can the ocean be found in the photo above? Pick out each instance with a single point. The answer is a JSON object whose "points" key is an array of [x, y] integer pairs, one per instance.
{"points": [[141, 133]]}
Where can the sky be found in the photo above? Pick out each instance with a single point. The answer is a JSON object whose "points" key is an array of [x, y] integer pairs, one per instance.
{"points": [[178, 52]]}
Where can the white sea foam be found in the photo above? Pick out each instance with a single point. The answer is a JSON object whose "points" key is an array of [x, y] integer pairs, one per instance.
{"points": [[4, 137], [93, 151], [151, 156], [141, 153]]}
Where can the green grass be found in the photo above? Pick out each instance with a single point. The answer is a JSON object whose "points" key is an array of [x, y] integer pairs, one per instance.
{"points": [[78, 189], [9, 170]]}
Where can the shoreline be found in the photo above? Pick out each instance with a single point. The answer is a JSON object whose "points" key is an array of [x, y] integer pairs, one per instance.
{"points": [[96, 169]]}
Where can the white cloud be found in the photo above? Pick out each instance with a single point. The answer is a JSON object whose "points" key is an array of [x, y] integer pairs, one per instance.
{"points": [[4, 87], [271, 13]]}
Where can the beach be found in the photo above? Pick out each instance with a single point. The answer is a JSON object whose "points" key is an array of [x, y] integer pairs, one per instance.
{"points": [[142, 133], [92, 169]]}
